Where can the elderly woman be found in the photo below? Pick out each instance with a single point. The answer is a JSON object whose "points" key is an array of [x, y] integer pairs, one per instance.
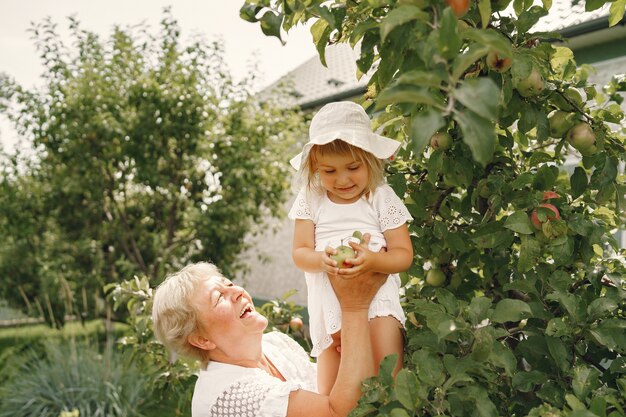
{"points": [[199, 313]]}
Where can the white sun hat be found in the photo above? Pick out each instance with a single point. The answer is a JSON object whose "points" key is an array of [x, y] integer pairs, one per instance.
{"points": [[347, 121]]}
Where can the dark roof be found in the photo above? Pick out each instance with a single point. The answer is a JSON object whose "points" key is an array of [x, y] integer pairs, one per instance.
{"points": [[313, 84]]}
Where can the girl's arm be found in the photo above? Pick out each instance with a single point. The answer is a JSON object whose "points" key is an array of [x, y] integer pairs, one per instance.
{"points": [[304, 254], [397, 258]]}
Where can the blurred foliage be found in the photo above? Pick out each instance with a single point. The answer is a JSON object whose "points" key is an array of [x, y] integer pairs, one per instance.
{"points": [[73, 376], [516, 205], [146, 155]]}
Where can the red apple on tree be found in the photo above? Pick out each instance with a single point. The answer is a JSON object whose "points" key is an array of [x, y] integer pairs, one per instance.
{"points": [[459, 7], [295, 324], [498, 63], [534, 217]]}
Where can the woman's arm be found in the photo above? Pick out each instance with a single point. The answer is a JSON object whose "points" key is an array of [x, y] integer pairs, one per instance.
{"points": [[304, 254], [357, 362], [397, 258]]}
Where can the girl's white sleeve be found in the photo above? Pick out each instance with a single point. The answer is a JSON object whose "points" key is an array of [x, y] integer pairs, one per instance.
{"points": [[301, 208], [391, 211]]}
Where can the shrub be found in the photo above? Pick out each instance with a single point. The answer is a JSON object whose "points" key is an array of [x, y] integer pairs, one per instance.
{"points": [[73, 375]]}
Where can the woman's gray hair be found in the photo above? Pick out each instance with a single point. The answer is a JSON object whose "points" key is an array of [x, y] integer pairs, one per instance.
{"points": [[173, 314]]}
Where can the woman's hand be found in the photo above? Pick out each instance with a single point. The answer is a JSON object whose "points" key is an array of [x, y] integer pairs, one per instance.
{"points": [[357, 293]]}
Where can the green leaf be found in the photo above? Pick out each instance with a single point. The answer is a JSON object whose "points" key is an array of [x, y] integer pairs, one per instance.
{"points": [[270, 25], [610, 333], [519, 223], [462, 62], [406, 389], [406, 94], [490, 38], [530, 17], [591, 5], [616, 12], [399, 16], [484, 7], [562, 358], [483, 344], [585, 380], [599, 308], [420, 79], [578, 182], [492, 235], [526, 381], [248, 12], [478, 309], [447, 35], [423, 125], [480, 95], [503, 358], [429, 367], [321, 34], [510, 310], [561, 59], [479, 134], [399, 412]]}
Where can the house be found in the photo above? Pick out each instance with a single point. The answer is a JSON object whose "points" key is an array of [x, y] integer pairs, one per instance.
{"points": [[272, 272]]}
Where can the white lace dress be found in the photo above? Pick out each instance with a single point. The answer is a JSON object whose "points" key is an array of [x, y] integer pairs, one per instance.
{"points": [[334, 225], [224, 390]]}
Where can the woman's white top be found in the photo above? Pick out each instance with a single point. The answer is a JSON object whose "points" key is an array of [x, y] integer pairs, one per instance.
{"points": [[224, 390], [334, 225]]}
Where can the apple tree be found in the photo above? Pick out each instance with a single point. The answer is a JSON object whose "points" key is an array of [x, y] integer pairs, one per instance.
{"points": [[145, 155], [512, 167]]}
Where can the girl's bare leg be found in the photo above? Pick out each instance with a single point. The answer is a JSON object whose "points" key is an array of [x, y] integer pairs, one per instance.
{"points": [[387, 338]]}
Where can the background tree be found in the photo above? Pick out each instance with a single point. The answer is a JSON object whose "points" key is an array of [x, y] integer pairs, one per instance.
{"points": [[516, 299], [146, 156]]}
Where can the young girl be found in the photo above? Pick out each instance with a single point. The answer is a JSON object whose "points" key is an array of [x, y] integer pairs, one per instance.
{"points": [[343, 190]]}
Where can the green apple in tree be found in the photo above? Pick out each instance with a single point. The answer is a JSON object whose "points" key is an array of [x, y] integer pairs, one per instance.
{"points": [[582, 138], [560, 123], [530, 86], [483, 188], [435, 277], [441, 141]]}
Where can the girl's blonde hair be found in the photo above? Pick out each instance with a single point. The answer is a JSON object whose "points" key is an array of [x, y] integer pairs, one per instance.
{"points": [[309, 177]]}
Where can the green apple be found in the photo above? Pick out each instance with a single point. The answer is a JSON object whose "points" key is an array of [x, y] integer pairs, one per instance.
{"points": [[560, 123], [441, 141], [582, 138], [530, 86], [435, 277], [343, 252], [483, 188]]}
